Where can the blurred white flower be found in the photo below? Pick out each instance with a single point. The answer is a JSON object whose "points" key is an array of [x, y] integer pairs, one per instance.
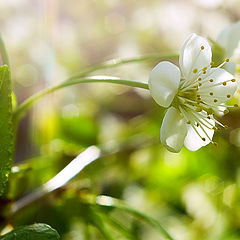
{"points": [[229, 39], [193, 99]]}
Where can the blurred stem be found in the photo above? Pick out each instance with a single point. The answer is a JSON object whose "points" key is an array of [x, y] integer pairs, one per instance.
{"points": [[117, 62], [110, 202], [85, 158], [120, 227], [77, 78], [100, 225], [3, 53], [86, 232], [27, 104]]}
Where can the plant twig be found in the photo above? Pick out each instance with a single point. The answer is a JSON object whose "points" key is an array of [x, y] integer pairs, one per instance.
{"points": [[107, 201], [71, 170], [27, 104], [118, 62], [85, 158], [78, 78]]}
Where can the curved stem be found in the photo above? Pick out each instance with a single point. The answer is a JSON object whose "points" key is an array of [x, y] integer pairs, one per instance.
{"points": [[117, 62], [109, 202], [27, 104], [76, 78]]}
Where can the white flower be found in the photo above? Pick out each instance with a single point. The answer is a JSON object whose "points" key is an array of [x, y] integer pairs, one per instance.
{"points": [[192, 94], [229, 39]]}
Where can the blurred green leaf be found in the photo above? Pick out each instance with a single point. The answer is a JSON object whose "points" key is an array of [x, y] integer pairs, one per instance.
{"points": [[6, 126], [218, 53], [110, 202], [33, 232]]}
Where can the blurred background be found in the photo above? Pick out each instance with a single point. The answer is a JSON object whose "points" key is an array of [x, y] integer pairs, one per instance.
{"points": [[195, 195]]}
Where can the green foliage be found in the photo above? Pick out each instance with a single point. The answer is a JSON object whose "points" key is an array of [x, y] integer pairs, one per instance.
{"points": [[218, 53], [136, 190], [32, 232], [6, 127]]}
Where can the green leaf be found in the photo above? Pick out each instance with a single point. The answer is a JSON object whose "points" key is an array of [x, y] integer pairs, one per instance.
{"points": [[6, 127], [38, 231], [110, 202], [218, 53]]}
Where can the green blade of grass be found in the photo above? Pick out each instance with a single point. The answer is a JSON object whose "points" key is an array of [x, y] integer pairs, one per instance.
{"points": [[6, 127], [110, 202]]}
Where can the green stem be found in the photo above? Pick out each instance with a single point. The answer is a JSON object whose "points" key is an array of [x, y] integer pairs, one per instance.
{"points": [[27, 104], [100, 225], [147, 219], [110, 202], [3, 52], [117, 62], [75, 79], [120, 227]]}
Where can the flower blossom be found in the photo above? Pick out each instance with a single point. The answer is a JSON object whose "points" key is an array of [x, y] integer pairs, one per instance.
{"points": [[193, 95], [229, 40]]}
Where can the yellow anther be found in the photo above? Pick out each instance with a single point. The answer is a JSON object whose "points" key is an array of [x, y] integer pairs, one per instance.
{"points": [[198, 109], [211, 93], [205, 68], [200, 84], [204, 72], [199, 79], [233, 80], [195, 70], [211, 80], [202, 47], [208, 117], [210, 111], [198, 125], [215, 100], [226, 111], [211, 63], [228, 96], [188, 122], [204, 139], [227, 60], [224, 83]]}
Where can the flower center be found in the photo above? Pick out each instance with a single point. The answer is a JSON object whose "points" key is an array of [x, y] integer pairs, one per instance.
{"points": [[198, 99]]}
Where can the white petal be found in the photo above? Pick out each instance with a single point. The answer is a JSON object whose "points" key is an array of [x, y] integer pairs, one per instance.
{"points": [[163, 83], [173, 130], [223, 39], [229, 38], [193, 142], [193, 57], [230, 67], [219, 90]]}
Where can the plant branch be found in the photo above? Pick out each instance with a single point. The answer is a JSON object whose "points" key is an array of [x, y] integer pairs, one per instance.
{"points": [[85, 158], [27, 104], [110, 202], [117, 62], [77, 78]]}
